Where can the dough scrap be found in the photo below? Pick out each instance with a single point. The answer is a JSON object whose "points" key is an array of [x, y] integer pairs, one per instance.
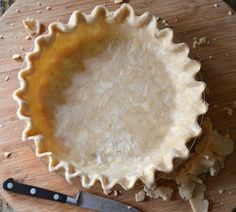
{"points": [[186, 190], [118, 1], [32, 26], [198, 203], [7, 154], [162, 192], [16, 57], [140, 196]]}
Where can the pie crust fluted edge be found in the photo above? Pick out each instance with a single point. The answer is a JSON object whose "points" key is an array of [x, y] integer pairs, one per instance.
{"points": [[124, 14]]}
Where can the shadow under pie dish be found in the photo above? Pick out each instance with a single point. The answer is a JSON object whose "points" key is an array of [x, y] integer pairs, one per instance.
{"points": [[110, 97]]}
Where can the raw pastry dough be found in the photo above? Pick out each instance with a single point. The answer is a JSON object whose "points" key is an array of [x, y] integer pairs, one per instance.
{"points": [[32, 26], [110, 97], [160, 192]]}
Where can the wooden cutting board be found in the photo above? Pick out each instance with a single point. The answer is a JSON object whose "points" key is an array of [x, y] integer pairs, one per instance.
{"points": [[195, 18]]}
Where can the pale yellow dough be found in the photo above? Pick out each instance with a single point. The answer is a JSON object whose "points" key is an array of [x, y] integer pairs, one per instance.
{"points": [[32, 26], [110, 97]]}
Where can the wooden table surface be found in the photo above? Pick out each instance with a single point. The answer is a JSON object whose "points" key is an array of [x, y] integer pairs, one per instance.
{"points": [[196, 18]]}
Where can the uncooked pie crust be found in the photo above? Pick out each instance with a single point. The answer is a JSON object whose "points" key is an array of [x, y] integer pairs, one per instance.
{"points": [[110, 97]]}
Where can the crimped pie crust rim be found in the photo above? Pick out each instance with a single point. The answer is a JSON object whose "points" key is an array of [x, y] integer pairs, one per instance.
{"points": [[124, 13]]}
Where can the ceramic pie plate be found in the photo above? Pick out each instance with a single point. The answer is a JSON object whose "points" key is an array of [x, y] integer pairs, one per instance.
{"points": [[109, 97]]}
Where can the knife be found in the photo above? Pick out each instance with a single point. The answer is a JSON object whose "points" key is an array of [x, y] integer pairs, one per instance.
{"points": [[82, 199]]}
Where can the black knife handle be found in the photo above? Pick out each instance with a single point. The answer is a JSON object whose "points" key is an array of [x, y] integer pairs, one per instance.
{"points": [[33, 191]]}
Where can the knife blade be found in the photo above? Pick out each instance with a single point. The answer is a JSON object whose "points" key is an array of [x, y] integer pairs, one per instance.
{"points": [[88, 200], [82, 199]]}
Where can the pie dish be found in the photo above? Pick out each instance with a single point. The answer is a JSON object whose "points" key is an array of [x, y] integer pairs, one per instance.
{"points": [[110, 97]]}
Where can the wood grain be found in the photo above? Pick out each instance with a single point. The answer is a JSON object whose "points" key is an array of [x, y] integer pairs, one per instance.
{"points": [[196, 18]]}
